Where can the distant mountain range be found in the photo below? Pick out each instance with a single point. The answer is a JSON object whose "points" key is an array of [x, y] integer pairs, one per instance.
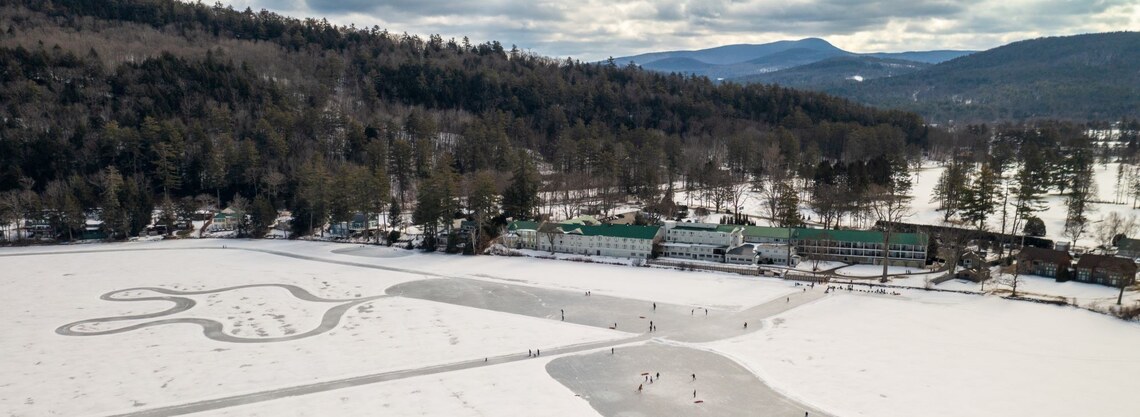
{"points": [[1081, 77], [741, 61]]}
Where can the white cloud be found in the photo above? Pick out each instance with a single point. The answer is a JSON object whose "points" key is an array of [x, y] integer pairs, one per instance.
{"points": [[595, 29]]}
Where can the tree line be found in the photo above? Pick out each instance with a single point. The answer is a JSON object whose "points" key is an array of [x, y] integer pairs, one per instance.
{"points": [[214, 112]]}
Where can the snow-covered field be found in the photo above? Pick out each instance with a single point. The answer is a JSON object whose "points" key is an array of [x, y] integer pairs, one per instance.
{"points": [[945, 355], [925, 213], [1054, 214]]}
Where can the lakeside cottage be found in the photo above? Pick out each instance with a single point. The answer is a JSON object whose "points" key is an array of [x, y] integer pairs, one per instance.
{"points": [[1044, 262], [1105, 270]]}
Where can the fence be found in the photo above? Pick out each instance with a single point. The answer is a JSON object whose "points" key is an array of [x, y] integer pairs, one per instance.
{"points": [[741, 269], [819, 279]]}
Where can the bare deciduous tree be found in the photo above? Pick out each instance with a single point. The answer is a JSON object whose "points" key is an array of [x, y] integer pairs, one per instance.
{"points": [[890, 204], [1010, 277], [1112, 225]]}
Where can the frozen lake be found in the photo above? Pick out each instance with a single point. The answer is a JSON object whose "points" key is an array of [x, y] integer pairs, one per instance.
{"points": [[270, 328]]}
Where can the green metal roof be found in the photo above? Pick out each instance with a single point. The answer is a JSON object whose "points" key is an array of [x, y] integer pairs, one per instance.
{"points": [[613, 230], [707, 227], [728, 228], [522, 224], [865, 236], [768, 232]]}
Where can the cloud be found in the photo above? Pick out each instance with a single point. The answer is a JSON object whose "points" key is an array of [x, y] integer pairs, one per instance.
{"points": [[595, 29]]}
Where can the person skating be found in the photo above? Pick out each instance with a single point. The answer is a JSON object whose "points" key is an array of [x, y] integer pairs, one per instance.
{"points": [[658, 375], [529, 353], [745, 325], [639, 388], [654, 306], [694, 393], [537, 352], [694, 377]]}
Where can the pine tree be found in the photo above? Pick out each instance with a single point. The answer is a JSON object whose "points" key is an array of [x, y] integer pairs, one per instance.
{"points": [[436, 201], [114, 215], [262, 216], [950, 190], [394, 213], [521, 197], [1029, 187], [788, 207], [980, 197], [483, 204], [1081, 189], [483, 200]]}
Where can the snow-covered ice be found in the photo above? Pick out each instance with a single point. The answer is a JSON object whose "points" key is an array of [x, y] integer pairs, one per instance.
{"points": [[48, 373], [514, 389], [876, 270], [945, 355], [843, 354]]}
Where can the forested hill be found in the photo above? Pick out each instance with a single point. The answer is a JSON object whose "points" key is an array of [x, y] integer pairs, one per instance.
{"points": [[1084, 77], [127, 104]]}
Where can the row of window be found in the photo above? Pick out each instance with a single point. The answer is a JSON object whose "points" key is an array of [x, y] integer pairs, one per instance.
{"points": [[857, 245], [868, 254], [691, 255]]}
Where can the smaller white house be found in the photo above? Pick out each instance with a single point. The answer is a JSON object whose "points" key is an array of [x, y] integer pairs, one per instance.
{"points": [[700, 241], [623, 241], [744, 255], [521, 235], [776, 254], [697, 251]]}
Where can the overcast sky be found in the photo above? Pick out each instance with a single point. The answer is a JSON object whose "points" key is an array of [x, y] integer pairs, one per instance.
{"points": [[596, 29]]}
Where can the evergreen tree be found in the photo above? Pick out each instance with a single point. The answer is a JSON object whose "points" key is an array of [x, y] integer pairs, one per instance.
{"points": [[788, 207], [520, 200], [169, 214], [951, 188], [114, 215], [980, 197], [1077, 203], [1034, 226], [1029, 188], [436, 201], [394, 213], [262, 216]]}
